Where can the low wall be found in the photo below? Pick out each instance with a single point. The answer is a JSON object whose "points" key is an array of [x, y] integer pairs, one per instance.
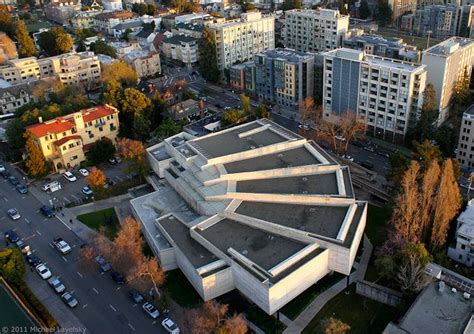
{"points": [[379, 293]]}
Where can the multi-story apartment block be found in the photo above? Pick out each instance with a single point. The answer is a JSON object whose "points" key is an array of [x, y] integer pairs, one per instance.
{"points": [[106, 21], [64, 140], [463, 251], [465, 152], [443, 21], [446, 63], [390, 47], [388, 93], [145, 63], [84, 20], [284, 76], [81, 68], [240, 40], [318, 30], [61, 13], [189, 29], [401, 7], [182, 48]]}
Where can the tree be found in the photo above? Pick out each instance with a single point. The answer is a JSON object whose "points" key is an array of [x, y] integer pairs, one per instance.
{"points": [[35, 163], [234, 325], [87, 256], [426, 152], [80, 46], [245, 105], [311, 112], [410, 274], [6, 23], [231, 116], [134, 101], [14, 132], [333, 326], [55, 41], [462, 93], [119, 72], [398, 166], [141, 126], [352, 127], [12, 267], [364, 10], [428, 190], [447, 204], [146, 275], [208, 56], [207, 318], [384, 13], [134, 152], [101, 151], [101, 47], [26, 45], [96, 179], [327, 131], [167, 128], [261, 112], [425, 125]]}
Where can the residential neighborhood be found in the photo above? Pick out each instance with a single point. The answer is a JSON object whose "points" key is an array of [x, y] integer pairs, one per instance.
{"points": [[236, 167]]}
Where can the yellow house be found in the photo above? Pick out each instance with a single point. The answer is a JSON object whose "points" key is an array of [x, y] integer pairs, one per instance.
{"points": [[65, 139]]}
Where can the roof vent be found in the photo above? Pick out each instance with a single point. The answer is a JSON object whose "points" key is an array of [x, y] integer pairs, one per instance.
{"points": [[280, 155], [245, 252], [171, 218], [305, 179], [201, 256], [304, 192], [454, 290], [312, 209], [252, 147], [466, 295]]}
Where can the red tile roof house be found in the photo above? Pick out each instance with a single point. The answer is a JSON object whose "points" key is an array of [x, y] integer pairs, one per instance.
{"points": [[64, 140]]}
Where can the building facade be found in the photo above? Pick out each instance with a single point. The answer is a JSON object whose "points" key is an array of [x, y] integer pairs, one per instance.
{"points": [[16, 96], [84, 20], [446, 63], [105, 22], [182, 48], [81, 69], [463, 251], [64, 140], [465, 152], [239, 40], [401, 7], [284, 77], [387, 92], [145, 63], [309, 30]]}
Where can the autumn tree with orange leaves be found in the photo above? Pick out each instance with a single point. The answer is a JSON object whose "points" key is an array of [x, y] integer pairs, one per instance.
{"points": [[96, 179], [35, 162], [134, 152]]}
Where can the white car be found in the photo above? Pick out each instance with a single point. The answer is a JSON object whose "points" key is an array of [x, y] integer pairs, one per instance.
{"points": [[348, 157], [84, 172], [56, 284], [43, 271], [151, 310], [170, 326], [86, 190], [62, 246], [70, 176], [14, 214]]}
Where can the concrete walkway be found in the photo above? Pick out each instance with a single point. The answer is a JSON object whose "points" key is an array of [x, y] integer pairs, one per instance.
{"points": [[120, 203], [320, 301]]}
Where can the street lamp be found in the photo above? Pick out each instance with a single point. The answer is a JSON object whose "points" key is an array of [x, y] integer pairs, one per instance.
{"points": [[428, 40]]}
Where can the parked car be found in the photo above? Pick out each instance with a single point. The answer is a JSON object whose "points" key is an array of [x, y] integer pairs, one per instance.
{"points": [[84, 172], [22, 189], [136, 296], [170, 326], [43, 271], [51, 186], [62, 246], [69, 299], [104, 265], [13, 180], [2, 168], [117, 277], [14, 214], [56, 284], [33, 260], [12, 236], [369, 148], [47, 211], [348, 157], [24, 247], [113, 161], [5, 174], [86, 190], [70, 177], [150, 310]]}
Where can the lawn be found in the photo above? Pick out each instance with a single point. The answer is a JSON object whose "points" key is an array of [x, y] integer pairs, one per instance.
{"points": [[419, 42], [12, 313], [265, 322], [297, 305], [180, 290], [103, 220], [377, 220], [364, 315]]}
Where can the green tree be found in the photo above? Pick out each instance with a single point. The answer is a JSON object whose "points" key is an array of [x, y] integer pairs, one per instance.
{"points": [[55, 41], [167, 128], [101, 47], [208, 56], [231, 116], [446, 138], [364, 10], [134, 101], [462, 93], [151, 9], [14, 132], [398, 166], [297, 4], [261, 112], [102, 151], [384, 13], [12, 266], [80, 45], [425, 125], [6, 23], [246, 105], [425, 153], [26, 45], [141, 126]]}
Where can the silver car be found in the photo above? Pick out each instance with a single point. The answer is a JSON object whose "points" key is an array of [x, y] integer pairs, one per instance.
{"points": [[69, 299], [56, 284]]}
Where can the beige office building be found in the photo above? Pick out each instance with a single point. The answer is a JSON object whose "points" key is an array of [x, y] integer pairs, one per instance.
{"points": [[445, 63], [319, 30], [240, 40]]}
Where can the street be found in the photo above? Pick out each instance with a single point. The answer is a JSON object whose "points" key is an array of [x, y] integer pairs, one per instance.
{"points": [[104, 307]]}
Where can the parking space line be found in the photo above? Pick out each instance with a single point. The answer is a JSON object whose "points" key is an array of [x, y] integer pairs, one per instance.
{"points": [[119, 288], [135, 305], [5, 199], [26, 220], [28, 238], [51, 245], [64, 223], [84, 306], [154, 322], [80, 275], [38, 232], [3, 218], [75, 197], [23, 197], [64, 259], [95, 290], [130, 325], [113, 308], [38, 211]]}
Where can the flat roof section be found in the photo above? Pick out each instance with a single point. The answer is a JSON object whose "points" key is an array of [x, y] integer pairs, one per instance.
{"points": [[160, 153], [194, 252], [264, 249], [225, 143], [291, 158], [325, 221], [317, 184]]}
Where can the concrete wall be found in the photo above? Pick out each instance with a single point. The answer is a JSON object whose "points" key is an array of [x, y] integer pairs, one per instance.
{"points": [[218, 284], [379, 293]]}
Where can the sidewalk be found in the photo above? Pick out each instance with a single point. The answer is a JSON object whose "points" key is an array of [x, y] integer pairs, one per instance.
{"points": [[320, 301]]}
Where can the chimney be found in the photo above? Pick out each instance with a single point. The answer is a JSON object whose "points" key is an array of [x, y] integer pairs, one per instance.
{"points": [[40, 119]]}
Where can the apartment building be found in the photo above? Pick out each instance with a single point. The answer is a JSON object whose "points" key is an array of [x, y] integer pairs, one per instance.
{"points": [[284, 77], [64, 140], [401, 7], [463, 250], [315, 30], [255, 208], [189, 29], [16, 96], [387, 92], [84, 20], [105, 21], [145, 63], [465, 152], [81, 68], [390, 47], [446, 63], [182, 48], [240, 40]]}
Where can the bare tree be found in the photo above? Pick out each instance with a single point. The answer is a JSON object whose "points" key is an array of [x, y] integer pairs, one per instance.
{"points": [[411, 275], [447, 204], [146, 275], [127, 246], [87, 256], [352, 127], [327, 131], [205, 319]]}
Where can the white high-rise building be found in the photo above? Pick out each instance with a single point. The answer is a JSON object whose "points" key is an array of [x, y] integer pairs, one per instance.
{"points": [[309, 30], [239, 40], [446, 63], [112, 4], [387, 92]]}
